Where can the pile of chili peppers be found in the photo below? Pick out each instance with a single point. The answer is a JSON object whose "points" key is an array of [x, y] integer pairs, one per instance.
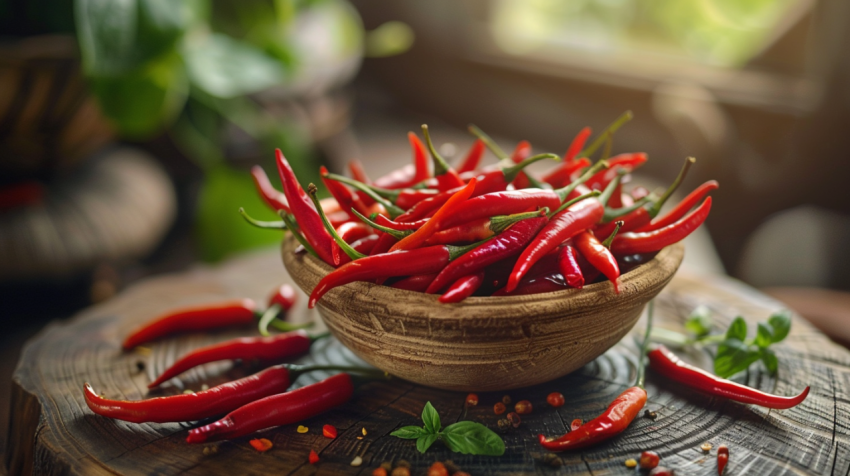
{"points": [[496, 230]]}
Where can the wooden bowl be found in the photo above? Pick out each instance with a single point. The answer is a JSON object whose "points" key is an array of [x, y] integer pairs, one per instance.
{"points": [[483, 343]]}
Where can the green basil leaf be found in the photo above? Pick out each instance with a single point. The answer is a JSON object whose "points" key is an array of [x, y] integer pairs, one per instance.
{"points": [[732, 357], [764, 335], [425, 441], [431, 419], [738, 329], [409, 432], [469, 437], [781, 324], [699, 322], [770, 361], [226, 68]]}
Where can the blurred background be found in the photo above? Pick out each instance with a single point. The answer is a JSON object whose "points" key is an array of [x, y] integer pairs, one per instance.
{"points": [[127, 127]]}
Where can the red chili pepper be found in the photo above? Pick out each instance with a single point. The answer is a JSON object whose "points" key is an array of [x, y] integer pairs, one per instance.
{"points": [[536, 285], [555, 399], [520, 153], [577, 144], [273, 349], [276, 410], [448, 210], [273, 198], [649, 460], [446, 176], [397, 225], [313, 457], [504, 245], [722, 459], [349, 232], [21, 195], [570, 269], [463, 288], [366, 245], [355, 168], [681, 208], [501, 203], [472, 159], [410, 175], [647, 242], [240, 312], [475, 230], [304, 211], [561, 175], [616, 418], [418, 283], [261, 444], [669, 365], [284, 296], [427, 260], [344, 197], [599, 256], [194, 406], [628, 161], [328, 431]]}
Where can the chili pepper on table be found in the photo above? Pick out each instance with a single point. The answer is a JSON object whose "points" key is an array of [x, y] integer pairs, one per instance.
{"points": [[463, 288], [722, 459], [273, 198], [265, 349], [599, 255], [666, 363], [276, 410], [650, 241], [616, 418], [427, 260], [215, 401], [472, 159], [411, 174], [503, 245], [681, 208], [304, 211]]}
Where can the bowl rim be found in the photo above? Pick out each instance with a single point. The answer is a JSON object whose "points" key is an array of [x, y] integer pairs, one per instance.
{"points": [[669, 258]]}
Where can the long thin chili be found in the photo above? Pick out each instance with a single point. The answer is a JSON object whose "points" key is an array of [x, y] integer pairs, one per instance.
{"points": [[273, 198], [681, 208], [472, 159], [463, 288], [647, 242], [446, 212], [599, 256], [570, 269]]}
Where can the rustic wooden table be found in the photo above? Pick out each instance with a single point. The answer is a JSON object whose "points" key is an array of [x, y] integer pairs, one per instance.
{"points": [[53, 432]]}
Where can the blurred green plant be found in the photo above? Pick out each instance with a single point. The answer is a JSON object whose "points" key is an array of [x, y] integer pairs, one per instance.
{"points": [[191, 68]]}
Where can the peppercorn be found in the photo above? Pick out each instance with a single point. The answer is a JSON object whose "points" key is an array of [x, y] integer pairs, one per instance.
{"points": [[514, 419], [649, 459], [650, 414], [499, 408], [555, 399], [523, 407], [507, 400]]}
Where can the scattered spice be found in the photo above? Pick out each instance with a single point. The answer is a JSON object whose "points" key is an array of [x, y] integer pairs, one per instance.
{"points": [[650, 414], [302, 429], [705, 447], [551, 460], [499, 408], [329, 431], [555, 399], [261, 444], [438, 469], [631, 463], [471, 400], [210, 450], [575, 424], [514, 419], [649, 459], [401, 471], [364, 431], [387, 466], [140, 366], [314, 457], [662, 471], [357, 461], [379, 472], [188, 392], [205, 387], [504, 425], [403, 463], [523, 407], [722, 458], [507, 400]]}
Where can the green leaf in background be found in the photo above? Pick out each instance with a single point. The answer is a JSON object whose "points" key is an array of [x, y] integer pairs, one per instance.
{"points": [[226, 68], [764, 335], [425, 441], [733, 356], [220, 228], [119, 36], [469, 437], [409, 432], [699, 322], [781, 324], [389, 39], [140, 104], [770, 361], [431, 419], [738, 329]]}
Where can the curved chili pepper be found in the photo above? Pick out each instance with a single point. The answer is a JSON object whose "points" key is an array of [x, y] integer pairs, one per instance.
{"points": [[577, 144], [647, 242], [616, 418], [273, 198], [520, 153], [427, 260], [276, 410], [599, 256], [562, 226], [399, 226], [722, 459], [284, 296], [504, 245], [349, 232], [475, 230], [304, 211], [240, 312], [562, 174], [344, 197], [501, 203], [628, 161], [409, 175], [447, 177], [463, 288], [355, 168], [472, 159], [448, 210], [681, 208], [265, 349], [666, 363], [418, 283], [366, 244], [570, 269]]}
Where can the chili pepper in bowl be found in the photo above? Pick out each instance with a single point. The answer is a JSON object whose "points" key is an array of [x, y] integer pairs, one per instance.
{"points": [[616, 418], [447, 177], [666, 363], [274, 199], [472, 159], [648, 242], [570, 269], [463, 288], [409, 175], [445, 212], [681, 208], [598, 255]]}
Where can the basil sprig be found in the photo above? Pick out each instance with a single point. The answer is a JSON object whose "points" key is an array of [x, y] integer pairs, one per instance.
{"points": [[466, 437], [736, 352]]}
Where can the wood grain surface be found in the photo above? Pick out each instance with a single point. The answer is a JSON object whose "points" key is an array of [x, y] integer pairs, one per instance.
{"points": [[53, 432]]}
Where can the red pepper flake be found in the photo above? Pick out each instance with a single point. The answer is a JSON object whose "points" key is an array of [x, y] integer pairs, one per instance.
{"points": [[722, 458], [499, 408], [314, 457], [523, 407], [438, 469], [329, 431], [556, 399], [649, 459], [575, 424], [261, 444], [471, 400]]}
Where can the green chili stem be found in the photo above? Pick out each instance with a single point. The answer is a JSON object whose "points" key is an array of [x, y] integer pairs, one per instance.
{"points": [[440, 164], [488, 141], [514, 170], [351, 252], [641, 370], [624, 118], [268, 225], [563, 193], [501, 223], [456, 251], [614, 213], [609, 190], [293, 227], [397, 234], [565, 205], [656, 207], [392, 209], [607, 242], [267, 317]]}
